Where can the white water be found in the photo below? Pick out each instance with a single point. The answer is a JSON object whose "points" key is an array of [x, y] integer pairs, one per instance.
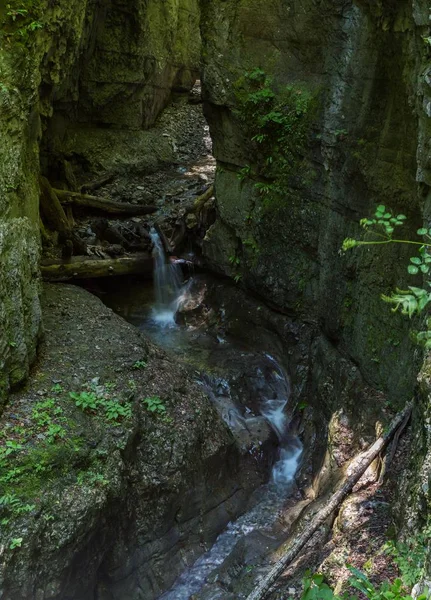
{"points": [[266, 512], [274, 393], [168, 280]]}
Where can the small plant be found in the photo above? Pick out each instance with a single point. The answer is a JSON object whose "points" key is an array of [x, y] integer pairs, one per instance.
{"points": [[10, 447], [115, 411], [91, 478], [15, 13], [140, 364], [57, 388], [234, 260], [155, 405], [54, 433], [244, 172], [86, 401], [15, 543], [9, 501]]}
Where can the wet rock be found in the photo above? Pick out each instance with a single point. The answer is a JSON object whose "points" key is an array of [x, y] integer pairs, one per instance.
{"points": [[152, 490]]}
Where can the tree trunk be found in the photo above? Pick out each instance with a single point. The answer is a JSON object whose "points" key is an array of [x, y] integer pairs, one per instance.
{"points": [[88, 268], [52, 209], [200, 201], [103, 204], [356, 469]]}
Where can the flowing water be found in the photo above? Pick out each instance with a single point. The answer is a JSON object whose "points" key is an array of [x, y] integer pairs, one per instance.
{"points": [[268, 388], [168, 279]]}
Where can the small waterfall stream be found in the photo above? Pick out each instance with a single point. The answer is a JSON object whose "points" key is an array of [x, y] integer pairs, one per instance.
{"points": [[268, 389], [168, 279]]}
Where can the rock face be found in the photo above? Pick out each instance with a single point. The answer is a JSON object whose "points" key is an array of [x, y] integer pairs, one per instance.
{"points": [[119, 508], [360, 141], [63, 67]]}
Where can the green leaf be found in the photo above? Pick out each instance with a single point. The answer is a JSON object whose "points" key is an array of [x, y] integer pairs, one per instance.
{"points": [[401, 217], [412, 270], [387, 216], [422, 231], [416, 260], [425, 268], [381, 208]]}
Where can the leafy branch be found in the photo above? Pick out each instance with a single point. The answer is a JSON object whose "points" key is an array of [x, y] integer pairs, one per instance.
{"points": [[414, 300]]}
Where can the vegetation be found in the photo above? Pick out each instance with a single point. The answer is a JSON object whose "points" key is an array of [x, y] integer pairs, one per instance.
{"points": [[113, 409], [155, 405], [51, 448], [277, 123], [380, 230], [409, 556], [22, 18]]}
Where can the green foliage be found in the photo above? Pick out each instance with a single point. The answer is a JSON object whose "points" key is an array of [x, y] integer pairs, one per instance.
{"points": [[112, 408], [414, 300], [45, 449], [234, 260], [410, 556], [86, 401], [315, 588], [140, 364], [15, 543], [155, 405], [22, 19], [277, 123], [91, 478]]}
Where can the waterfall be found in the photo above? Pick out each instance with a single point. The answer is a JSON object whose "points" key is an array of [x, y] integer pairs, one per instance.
{"points": [[167, 283], [275, 386], [272, 409]]}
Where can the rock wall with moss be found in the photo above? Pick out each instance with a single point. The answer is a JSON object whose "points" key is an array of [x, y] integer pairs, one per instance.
{"points": [[348, 80], [73, 65]]}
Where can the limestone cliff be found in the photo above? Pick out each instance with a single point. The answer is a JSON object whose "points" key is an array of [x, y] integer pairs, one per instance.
{"points": [[363, 66], [89, 64]]}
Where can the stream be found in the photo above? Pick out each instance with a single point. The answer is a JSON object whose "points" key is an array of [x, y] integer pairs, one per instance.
{"points": [[248, 387]]}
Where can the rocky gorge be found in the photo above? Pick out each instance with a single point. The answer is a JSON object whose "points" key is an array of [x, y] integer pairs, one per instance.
{"points": [[148, 443]]}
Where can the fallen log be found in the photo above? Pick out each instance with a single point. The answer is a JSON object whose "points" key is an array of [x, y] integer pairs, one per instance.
{"points": [[356, 470], [92, 186], [82, 267], [103, 204], [52, 209], [200, 200]]}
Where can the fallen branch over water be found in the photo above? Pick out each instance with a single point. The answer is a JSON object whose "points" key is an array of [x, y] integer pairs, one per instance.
{"points": [[356, 470], [200, 201], [83, 267], [103, 204]]}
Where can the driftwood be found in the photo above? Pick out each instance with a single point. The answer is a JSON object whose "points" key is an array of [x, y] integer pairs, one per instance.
{"points": [[94, 185], [389, 456], [356, 470], [52, 209], [200, 201], [87, 268], [104, 204], [166, 243]]}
